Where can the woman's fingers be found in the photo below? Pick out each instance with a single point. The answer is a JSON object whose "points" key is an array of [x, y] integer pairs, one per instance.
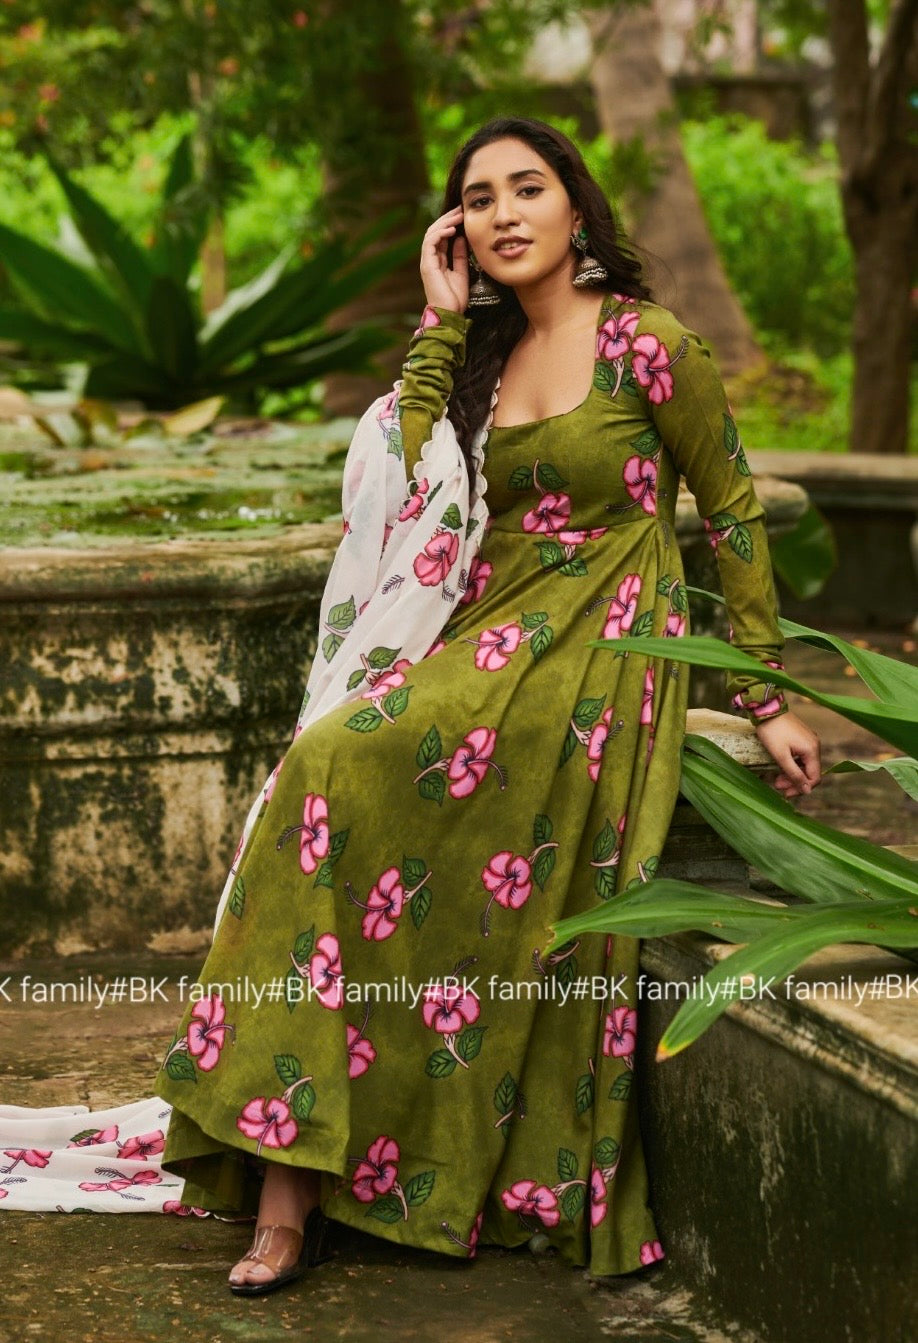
{"points": [[795, 749]]}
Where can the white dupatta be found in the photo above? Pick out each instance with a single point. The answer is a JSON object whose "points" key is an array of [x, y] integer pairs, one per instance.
{"points": [[399, 571]]}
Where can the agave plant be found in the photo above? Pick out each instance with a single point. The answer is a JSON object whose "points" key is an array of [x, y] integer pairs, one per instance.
{"points": [[853, 891], [133, 317]]}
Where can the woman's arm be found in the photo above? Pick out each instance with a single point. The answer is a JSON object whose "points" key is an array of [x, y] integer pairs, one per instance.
{"points": [[676, 378]]}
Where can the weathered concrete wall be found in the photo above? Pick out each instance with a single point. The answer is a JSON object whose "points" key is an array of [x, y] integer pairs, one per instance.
{"points": [[146, 693]]}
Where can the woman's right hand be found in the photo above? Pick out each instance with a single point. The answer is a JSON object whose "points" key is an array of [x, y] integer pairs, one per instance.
{"points": [[446, 287]]}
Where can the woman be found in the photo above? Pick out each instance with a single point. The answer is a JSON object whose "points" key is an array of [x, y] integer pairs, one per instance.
{"points": [[516, 777]]}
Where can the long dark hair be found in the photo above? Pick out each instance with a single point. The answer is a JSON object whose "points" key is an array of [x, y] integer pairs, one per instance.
{"points": [[495, 331]]}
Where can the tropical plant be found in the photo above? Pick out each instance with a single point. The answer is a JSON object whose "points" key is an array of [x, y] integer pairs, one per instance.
{"points": [[854, 891], [131, 313]]}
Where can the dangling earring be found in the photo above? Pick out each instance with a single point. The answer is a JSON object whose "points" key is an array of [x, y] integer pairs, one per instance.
{"points": [[589, 270], [482, 293]]}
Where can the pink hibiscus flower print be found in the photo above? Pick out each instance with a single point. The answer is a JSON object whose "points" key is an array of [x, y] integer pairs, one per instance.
{"points": [[325, 972], [675, 625], [207, 1032], [620, 1033], [183, 1209], [597, 1197], [448, 1007], [508, 877], [32, 1156], [360, 1052], [495, 647], [96, 1137], [313, 832], [651, 363], [640, 477], [437, 558], [428, 318], [647, 698], [597, 743], [532, 1200], [141, 1146], [384, 905], [614, 336], [414, 505], [476, 579], [651, 1250], [118, 1183], [268, 1122], [471, 761], [380, 683], [378, 1171], [622, 607], [474, 1235], [551, 513]]}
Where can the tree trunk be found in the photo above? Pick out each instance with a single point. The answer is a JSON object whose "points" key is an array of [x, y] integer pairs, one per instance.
{"points": [[387, 173], [634, 99], [879, 187]]}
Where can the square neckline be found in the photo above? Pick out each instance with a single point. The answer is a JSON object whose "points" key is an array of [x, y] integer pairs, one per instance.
{"points": [[610, 301]]}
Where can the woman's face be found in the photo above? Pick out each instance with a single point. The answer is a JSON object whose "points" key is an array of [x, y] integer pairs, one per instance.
{"points": [[518, 217]]}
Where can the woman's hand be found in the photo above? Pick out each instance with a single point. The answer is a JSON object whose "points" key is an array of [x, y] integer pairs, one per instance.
{"points": [[795, 749], [444, 287]]}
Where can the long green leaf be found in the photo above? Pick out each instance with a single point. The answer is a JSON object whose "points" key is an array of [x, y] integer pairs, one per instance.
{"points": [[768, 961], [183, 216], [60, 342], [667, 905], [124, 377], [62, 289], [888, 678], [805, 556], [799, 854], [895, 721], [171, 329], [347, 351], [902, 768], [118, 256]]}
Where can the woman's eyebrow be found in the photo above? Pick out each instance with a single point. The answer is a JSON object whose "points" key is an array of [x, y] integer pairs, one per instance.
{"points": [[511, 177]]}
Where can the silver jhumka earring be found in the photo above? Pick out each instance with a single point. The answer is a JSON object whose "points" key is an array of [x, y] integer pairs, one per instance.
{"points": [[589, 270], [482, 294]]}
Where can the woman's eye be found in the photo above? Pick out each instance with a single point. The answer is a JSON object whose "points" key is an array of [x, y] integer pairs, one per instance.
{"points": [[534, 190], [478, 202]]}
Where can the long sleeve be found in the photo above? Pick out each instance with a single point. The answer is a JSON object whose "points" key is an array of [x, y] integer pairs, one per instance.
{"points": [[675, 376], [436, 349]]}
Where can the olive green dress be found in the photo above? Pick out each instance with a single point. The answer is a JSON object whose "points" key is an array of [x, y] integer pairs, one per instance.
{"points": [[455, 1083]]}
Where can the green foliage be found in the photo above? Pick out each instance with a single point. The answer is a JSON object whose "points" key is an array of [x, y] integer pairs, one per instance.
{"points": [[130, 313], [775, 212]]}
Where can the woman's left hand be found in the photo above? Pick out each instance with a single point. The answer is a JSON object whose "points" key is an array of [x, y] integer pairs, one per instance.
{"points": [[795, 749]]}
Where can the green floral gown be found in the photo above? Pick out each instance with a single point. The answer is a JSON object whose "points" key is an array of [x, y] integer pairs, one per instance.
{"points": [[455, 1083]]}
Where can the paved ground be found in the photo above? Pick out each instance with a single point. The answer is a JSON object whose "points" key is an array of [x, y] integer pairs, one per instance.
{"points": [[112, 1279]]}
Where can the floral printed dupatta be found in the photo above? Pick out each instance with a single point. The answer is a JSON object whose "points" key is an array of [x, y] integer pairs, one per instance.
{"points": [[400, 569]]}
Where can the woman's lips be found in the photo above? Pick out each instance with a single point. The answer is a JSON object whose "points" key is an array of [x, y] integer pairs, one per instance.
{"points": [[511, 249]]}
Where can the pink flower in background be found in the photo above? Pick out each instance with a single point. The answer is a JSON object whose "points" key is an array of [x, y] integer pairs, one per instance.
{"points": [[314, 836], [325, 972], [533, 1200], [647, 698], [549, 515], [470, 761], [447, 1007], [98, 1136], [615, 334], [675, 625], [142, 1146], [495, 647], [385, 903], [206, 1032], [620, 1033], [597, 1197], [509, 878], [360, 1053], [378, 1171], [640, 477], [597, 743], [651, 1250], [650, 364], [387, 680], [439, 555], [479, 573], [622, 607], [268, 1122]]}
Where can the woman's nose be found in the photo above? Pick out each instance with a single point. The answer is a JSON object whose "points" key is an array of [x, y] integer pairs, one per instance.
{"points": [[506, 210]]}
